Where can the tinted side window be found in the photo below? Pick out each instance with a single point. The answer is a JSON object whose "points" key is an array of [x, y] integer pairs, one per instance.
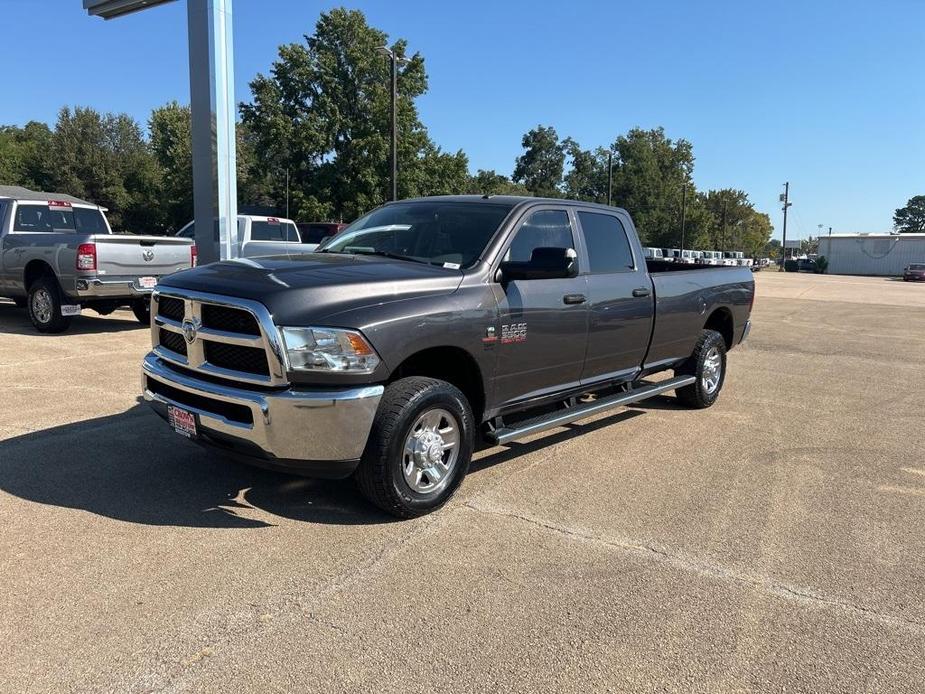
{"points": [[608, 247], [546, 228]]}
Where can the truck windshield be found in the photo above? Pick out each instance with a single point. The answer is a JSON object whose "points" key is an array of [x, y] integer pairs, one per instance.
{"points": [[451, 234], [43, 218]]}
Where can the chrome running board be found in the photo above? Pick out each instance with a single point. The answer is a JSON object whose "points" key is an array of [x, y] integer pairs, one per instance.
{"points": [[573, 414]]}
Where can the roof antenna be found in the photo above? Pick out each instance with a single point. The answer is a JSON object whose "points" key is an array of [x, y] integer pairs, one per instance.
{"points": [[487, 196]]}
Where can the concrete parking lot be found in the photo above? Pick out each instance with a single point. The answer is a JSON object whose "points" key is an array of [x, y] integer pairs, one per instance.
{"points": [[774, 542]]}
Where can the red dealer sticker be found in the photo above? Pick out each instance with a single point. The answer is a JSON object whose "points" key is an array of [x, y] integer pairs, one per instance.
{"points": [[183, 422]]}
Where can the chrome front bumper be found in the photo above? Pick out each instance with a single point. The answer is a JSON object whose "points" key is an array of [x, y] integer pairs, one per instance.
{"points": [[304, 431]]}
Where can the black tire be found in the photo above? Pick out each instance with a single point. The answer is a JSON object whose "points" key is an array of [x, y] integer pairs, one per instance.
{"points": [[44, 306], [380, 476], [142, 310], [700, 394]]}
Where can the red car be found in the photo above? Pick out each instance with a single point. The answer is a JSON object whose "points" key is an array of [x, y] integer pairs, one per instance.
{"points": [[914, 273], [316, 232]]}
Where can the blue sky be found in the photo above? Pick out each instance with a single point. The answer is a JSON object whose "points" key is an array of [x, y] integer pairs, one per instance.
{"points": [[825, 94]]}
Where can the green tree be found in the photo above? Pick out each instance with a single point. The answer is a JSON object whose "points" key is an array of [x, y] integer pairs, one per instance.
{"points": [[322, 114], [171, 145], [490, 182], [105, 159], [650, 173], [911, 218], [541, 165], [25, 155], [587, 175]]}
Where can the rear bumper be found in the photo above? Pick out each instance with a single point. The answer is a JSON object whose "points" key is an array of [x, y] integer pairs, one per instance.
{"points": [[320, 433], [95, 288]]}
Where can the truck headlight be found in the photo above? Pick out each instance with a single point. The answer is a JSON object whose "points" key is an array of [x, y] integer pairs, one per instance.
{"points": [[328, 349]]}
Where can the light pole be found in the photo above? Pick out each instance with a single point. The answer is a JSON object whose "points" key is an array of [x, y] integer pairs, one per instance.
{"points": [[683, 215], [785, 199], [609, 176], [394, 60]]}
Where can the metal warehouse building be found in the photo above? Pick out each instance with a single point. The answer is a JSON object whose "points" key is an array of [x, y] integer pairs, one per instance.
{"points": [[871, 254]]}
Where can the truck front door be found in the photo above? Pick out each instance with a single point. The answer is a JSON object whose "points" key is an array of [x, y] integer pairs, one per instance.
{"points": [[543, 323], [619, 296]]}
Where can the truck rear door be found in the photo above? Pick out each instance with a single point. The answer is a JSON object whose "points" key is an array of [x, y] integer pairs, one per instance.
{"points": [[620, 297]]}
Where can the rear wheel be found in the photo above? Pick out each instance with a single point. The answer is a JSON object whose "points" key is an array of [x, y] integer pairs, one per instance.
{"points": [[708, 365], [44, 304], [419, 448], [142, 310]]}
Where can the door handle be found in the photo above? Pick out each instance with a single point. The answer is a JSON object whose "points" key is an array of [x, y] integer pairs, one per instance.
{"points": [[642, 291], [574, 298]]}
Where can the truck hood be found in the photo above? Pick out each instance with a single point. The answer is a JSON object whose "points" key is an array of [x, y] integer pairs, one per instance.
{"points": [[299, 290]]}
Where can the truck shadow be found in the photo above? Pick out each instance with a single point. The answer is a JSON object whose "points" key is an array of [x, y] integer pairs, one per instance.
{"points": [[15, 321], [130, 467]]}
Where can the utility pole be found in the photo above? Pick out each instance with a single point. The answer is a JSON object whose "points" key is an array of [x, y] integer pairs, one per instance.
{"points": [[683, 216], [830, 231], [395, 60], [785, 199], [609, 176]]}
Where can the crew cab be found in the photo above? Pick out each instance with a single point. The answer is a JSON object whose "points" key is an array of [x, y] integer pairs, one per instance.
{"points": [[58, 256], [428, 326], [260, 235]]}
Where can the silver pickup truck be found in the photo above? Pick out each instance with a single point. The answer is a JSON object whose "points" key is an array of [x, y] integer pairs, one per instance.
{"points": [[58, 256]]}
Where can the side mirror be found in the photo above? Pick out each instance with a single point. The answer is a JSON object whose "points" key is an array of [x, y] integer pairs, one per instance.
{"points": [[544, 264]]}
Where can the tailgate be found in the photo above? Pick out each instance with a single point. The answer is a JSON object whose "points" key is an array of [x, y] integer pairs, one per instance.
{"points": [[140, 256]]}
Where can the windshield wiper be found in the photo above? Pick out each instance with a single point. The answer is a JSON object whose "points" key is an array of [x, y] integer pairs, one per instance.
{"points": [[385, 254]]}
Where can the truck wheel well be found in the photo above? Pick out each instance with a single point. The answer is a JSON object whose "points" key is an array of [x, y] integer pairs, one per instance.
{"points": [[35, 269], [450, 364], [721, 321]]}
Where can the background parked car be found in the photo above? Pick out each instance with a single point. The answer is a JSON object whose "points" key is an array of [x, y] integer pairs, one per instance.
{"points": [[58, 256], [261, 236], [914, 273], [316, 232]]}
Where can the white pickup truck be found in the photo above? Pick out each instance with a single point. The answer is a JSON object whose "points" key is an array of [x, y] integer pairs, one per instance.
{"points": [[261, 236], [59, 256]]}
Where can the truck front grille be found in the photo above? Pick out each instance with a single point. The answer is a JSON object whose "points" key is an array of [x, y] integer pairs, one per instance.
{"points": [[230, 320], [248, 359], [171, 308], [228, 410], [173, 341], [221, 337]]}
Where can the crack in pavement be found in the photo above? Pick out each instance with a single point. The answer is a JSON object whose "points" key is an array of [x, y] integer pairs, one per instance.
{"points": [[765, 584]]}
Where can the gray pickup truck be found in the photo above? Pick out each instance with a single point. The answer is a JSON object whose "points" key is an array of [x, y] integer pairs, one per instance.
{"points": [[429, 326], [59, 256]]}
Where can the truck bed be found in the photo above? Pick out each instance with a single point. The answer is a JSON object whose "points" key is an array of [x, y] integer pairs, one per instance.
{"points": [[685, 296]]}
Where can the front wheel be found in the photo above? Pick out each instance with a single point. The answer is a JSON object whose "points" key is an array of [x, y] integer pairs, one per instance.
{"points": [[708, 365], [419, 448]]}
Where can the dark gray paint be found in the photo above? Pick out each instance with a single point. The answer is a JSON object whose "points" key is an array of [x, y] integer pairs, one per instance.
{"points": [[404, 308]]}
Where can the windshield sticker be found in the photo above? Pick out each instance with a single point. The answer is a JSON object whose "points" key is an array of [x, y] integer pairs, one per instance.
{"points": [[451, 266]]}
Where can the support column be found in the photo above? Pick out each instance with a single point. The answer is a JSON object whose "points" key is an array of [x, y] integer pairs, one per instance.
{"points": [[215, 188]]}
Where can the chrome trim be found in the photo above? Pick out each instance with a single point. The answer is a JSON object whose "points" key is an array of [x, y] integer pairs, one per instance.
{"points": [[268, 340], [573, 414], [111, 289], [289, 424], [746, 331]]}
